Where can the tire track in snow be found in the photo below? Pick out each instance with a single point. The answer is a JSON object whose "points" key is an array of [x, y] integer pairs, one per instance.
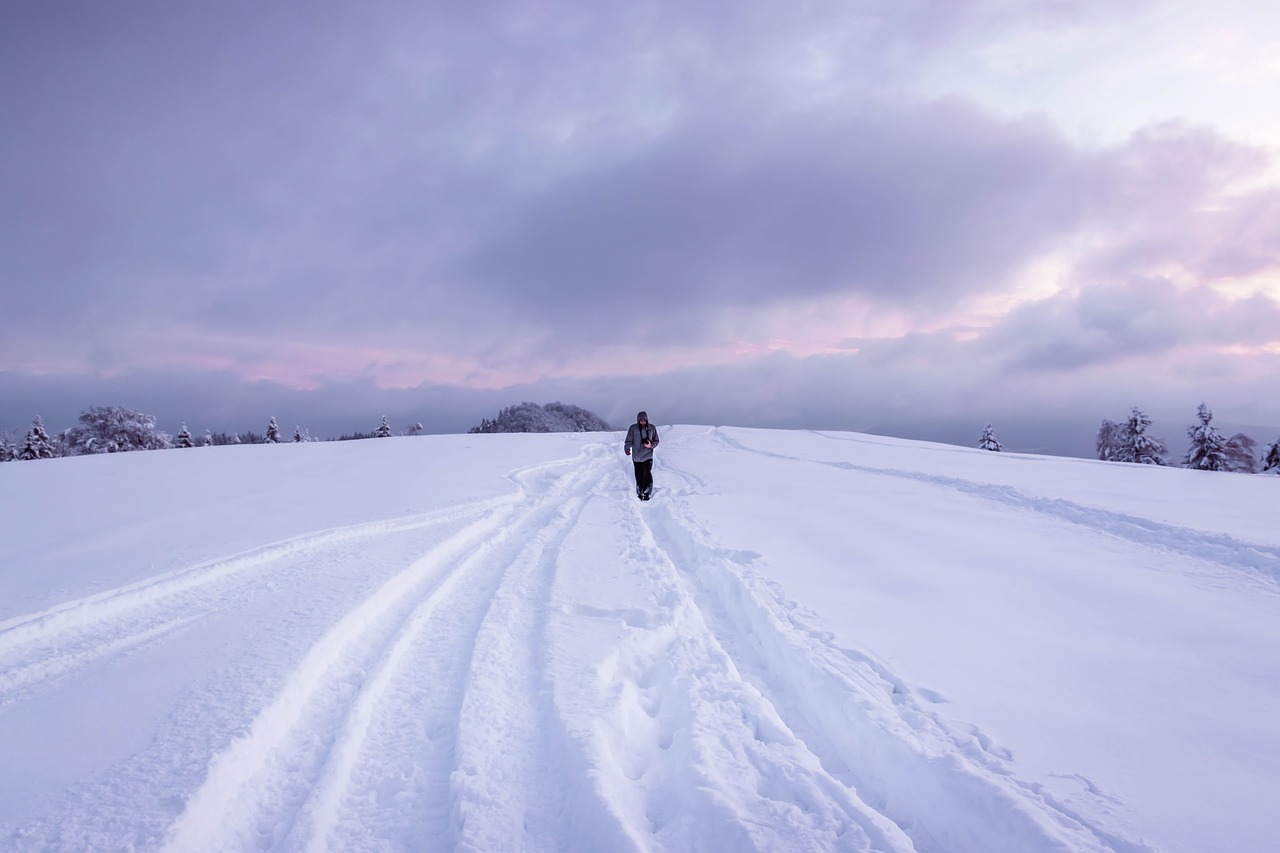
{"points": [[43, 646], [384, 676], [944, 789], [1224, 550]]}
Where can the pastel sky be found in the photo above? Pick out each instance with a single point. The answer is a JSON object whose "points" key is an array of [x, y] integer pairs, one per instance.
{"points": [[864, 214]]}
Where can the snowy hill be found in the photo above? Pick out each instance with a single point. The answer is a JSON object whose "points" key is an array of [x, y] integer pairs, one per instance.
{"points": [[804, 642]]}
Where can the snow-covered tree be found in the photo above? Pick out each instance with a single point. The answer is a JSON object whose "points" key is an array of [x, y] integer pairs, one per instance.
{"points": [[1208, 450], [553, 417], [8, 449], [988, 440], [1242, 454], [208, 438], [273, 432], [414, 429], [1145, 449], [39, 445], [183, 438], [383, 431], [582, 420], [1129, 442], [1271, 459], [1108, 441], [114, 429]]}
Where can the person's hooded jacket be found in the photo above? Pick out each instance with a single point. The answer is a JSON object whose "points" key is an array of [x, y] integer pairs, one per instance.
{"points": [[637, 435]]}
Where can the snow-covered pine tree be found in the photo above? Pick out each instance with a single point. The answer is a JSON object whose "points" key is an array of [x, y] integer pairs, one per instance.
{"points": [[988, 440], [39, 445], [208, 438], [183, 438], [1208, 450], [8, 448], [1241, 454], [384, 431], [1108, 440], [297, 435], [1135, 445], [1271, 459], [273, 432], [414, 429]]}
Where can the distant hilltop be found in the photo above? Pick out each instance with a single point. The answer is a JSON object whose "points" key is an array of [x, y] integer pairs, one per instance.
{"points": [[553, 417]]}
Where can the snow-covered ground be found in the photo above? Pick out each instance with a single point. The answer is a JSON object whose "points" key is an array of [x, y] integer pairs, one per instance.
{"points": [[806, 641]]}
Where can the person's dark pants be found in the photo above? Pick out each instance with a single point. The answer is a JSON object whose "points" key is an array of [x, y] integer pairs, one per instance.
{"points": [[644, 476]]}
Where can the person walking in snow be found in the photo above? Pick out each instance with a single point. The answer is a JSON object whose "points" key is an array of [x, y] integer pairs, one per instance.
{"points": [[642, 438]]}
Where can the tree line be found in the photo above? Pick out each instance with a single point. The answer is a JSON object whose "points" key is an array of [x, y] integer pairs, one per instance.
{"points": [[1208, 449], [116, 429]]}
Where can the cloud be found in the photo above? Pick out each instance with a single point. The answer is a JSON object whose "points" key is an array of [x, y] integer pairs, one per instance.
{"points": [[1103, 325], [913, 205], [256, 173], [1172, 198], [621, 200]]}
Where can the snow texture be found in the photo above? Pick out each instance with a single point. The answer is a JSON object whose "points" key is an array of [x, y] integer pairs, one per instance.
{"points": [[805, 641]]}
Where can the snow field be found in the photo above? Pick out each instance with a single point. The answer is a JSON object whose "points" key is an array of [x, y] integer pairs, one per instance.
{"points": [[803, 642]]}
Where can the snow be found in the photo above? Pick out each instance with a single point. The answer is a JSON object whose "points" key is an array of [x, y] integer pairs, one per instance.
{"points": [[805, 641]]}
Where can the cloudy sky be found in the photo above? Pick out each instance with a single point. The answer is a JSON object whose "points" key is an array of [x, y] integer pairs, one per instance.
{"points": [[896, 215]]}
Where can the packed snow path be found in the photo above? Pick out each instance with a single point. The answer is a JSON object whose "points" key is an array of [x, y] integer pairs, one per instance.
{"points": [[554, 666]]}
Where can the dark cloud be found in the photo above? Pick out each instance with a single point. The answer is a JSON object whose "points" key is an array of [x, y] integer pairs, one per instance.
{"points": [[255, 170], [913, 205], [910, 205]]}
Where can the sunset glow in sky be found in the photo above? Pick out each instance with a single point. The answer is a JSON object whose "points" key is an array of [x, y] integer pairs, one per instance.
{"points": [[778, 214]]}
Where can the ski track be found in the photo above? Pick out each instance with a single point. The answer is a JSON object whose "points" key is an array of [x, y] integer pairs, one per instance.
{"points": [[42, 646], [1258, 559], [488, 693], [368, 728]]}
